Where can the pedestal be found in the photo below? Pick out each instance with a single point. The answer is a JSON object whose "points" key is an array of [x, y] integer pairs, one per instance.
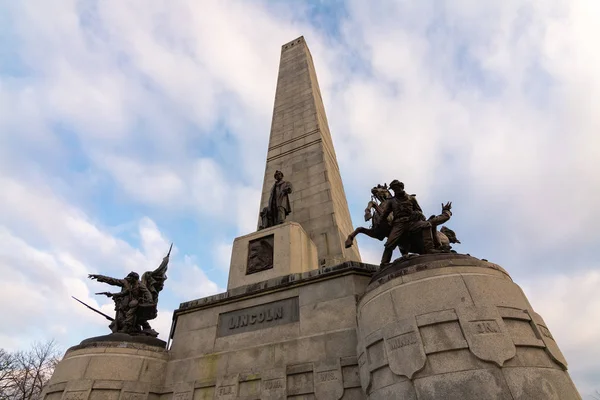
{"points": [[108, 370], [454, 327], [276, 251]]}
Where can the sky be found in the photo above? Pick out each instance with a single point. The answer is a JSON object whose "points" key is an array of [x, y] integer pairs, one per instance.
{"points": [[125, 126]]}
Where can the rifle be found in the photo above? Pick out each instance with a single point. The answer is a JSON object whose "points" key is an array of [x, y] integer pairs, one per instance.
{"points": [[94, 310]]}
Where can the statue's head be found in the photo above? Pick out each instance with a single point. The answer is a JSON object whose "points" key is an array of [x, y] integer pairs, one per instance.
{"points": [[278, 175], [132, 277], [397, 187]]}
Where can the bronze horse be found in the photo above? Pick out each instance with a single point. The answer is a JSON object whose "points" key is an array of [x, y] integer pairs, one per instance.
{"points": [[379, 229]]}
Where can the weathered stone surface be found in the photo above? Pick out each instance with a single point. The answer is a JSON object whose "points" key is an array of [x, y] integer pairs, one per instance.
{"points": [[191, 341], [547, 384], [544, 333], [476, 326], [104, 394], [442, 337], [115, 367], [398, 390], [328, 315], [464, 385]]}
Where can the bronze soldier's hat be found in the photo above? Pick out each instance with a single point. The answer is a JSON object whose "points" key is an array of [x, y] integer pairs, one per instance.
{"points": [[396, 182], [133, 275]]}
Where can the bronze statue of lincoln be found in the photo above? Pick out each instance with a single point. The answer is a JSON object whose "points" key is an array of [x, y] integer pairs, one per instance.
{"points": [[279, 203]]}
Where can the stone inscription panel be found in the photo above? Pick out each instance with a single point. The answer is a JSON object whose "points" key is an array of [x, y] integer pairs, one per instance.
{"points": [[258, 317], [182, 396], [79, 395], [132, 396], [485, 326], [260, 254], [226, 392]]}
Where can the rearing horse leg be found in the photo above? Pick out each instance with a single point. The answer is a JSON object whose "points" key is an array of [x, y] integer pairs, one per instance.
{"points": [[366, 231]]}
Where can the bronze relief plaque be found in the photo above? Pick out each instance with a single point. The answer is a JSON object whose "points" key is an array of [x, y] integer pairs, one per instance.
{"points": [[260, 254]]}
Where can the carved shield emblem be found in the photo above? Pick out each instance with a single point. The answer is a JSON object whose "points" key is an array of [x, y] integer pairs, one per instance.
{"points": [[404, 347], [543, 333], [363, 370], [486, 334], [328, 380], [273, 385], [227, 388]]}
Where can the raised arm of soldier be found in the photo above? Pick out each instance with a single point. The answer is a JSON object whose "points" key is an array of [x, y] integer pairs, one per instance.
{"points": [[107, 279], [117, 295]]}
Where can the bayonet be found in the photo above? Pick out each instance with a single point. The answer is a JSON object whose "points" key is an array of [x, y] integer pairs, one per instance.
{"points": [[94, 310]]}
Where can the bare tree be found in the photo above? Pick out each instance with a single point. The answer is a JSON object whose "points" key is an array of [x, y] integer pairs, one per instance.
{"points": [[7, 363], [23, 374]]}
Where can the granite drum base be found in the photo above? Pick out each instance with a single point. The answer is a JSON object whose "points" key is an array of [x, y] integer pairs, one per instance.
{"points": [[451, 326], [108, 370]]}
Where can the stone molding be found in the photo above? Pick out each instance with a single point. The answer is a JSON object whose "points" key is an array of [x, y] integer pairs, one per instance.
{"points": [[279, 283]]}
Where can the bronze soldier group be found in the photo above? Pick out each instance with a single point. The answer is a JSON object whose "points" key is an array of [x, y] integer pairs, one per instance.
{"points": [[400, 219], [136, 303]]}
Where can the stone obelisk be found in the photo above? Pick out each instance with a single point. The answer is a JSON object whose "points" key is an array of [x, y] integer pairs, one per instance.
{"points": [[300, 146]]}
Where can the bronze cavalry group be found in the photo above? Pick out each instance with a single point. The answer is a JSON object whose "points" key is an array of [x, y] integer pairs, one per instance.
{"points": [[400, 219]]}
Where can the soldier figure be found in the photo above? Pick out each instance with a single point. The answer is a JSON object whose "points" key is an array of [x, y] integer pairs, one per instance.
{"points": [[137, 301], [408, 218], [279, 203], [132, 294]]}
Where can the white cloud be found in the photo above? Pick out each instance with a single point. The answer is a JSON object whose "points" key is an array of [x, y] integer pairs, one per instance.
{"points": [[191, 281], [223, 255], [570, 305]]}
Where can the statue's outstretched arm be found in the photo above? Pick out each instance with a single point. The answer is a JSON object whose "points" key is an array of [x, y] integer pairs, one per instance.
{"points": [[107, 279]]}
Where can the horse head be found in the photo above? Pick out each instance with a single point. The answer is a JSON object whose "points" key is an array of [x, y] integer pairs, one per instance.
{"points": [[381, 193]]}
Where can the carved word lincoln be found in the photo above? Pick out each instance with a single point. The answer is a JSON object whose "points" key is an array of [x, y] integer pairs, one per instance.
{"points": [[270, 314], [258, 317]]}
